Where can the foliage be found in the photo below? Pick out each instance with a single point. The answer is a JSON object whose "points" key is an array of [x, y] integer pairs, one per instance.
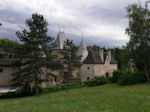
{"points": [[70, 59], [116, 52], [138, 30], [26, 90], [96, 81], [9, 48], [93, 48], [117, 75], [129, 78], [109, 79], [21, 92], [63, 87], [35, 56]]}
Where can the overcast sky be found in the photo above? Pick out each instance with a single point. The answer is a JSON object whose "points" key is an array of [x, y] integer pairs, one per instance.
{"points": [[102, 22]]}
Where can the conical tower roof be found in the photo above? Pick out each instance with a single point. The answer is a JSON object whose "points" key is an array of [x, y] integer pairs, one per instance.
{"points": [[60, 40], [82, 51]]}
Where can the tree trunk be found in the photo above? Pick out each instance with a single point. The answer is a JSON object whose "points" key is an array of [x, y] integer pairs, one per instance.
{"points": [[36, 86], [147, 75]]}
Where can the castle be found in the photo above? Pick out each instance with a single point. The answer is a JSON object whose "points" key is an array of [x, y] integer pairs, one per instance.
{"points": [[93, 63]]}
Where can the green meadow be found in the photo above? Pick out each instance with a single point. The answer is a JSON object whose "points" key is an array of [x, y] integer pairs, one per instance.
{"points": [[106, 98]]}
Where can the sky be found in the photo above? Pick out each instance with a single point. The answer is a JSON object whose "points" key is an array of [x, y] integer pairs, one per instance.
{"points": [[102, 22]]}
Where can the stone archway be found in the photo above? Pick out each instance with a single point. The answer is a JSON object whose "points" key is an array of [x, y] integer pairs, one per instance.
{"points": [[107, 74]]}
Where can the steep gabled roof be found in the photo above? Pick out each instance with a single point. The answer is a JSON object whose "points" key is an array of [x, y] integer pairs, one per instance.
{"points": [[94, 58]]}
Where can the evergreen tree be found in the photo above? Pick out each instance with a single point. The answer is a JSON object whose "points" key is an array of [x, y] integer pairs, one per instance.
{"points": [[35, 54], [71, 60]]}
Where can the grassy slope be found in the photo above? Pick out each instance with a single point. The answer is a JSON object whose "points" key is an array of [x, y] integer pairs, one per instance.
{"points": [[107, 98]]}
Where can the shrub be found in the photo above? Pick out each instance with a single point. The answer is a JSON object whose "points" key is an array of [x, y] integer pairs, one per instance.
{"points": [[26, 90], [20, 92], [40, 88], [63, 87], [117, 75], [129, 78], [109, 79], [96, 81]]}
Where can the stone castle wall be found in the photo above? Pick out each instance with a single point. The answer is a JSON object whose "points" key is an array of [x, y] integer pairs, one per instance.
{"points": [[5, 75]]}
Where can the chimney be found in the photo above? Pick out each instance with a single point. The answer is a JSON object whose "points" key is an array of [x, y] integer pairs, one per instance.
{"points": [[109, 55], [101, 54]]}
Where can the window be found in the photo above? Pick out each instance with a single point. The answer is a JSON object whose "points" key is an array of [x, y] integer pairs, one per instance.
{"points": [[1, 70], [88, 68], [99, 68]]}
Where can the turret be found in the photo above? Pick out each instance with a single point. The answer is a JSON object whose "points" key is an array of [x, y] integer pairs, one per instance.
{"points": [[60, 40], [82, 51]]}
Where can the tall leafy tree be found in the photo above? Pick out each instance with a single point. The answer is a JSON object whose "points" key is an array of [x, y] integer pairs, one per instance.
{"points": [[139, 32], [36, 55]]}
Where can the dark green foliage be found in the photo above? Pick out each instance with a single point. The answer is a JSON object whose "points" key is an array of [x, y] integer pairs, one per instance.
{"points": [[21, 92], [109, 79], [116, 75], [26, 90], [40, 88], [129, 78], [138, 29], [117, 54], [36, 55], [70, 59], [93, 48], [96, 81], [62, 87], [10, 49]]}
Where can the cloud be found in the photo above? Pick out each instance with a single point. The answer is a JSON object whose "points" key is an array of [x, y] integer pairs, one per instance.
{"points": [[99, 20]]}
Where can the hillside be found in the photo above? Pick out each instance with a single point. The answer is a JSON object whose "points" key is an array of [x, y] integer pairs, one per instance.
{"points": [[107, 98]]}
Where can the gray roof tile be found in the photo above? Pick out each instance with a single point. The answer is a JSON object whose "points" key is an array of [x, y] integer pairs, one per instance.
{"points": [[94, 58]]}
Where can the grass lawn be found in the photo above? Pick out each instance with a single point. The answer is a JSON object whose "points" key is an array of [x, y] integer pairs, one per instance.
{"points": [[107, 98]]}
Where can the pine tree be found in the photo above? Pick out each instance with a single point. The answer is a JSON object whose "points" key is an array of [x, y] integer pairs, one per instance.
{"points": [[71, 60], [35, 54]]}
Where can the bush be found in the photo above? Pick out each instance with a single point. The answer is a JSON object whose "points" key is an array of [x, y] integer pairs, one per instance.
{"points": [[129, 78], [96, 81], [63, 87], [40, 88], [117, 75], [26, 90], [109, 79]]}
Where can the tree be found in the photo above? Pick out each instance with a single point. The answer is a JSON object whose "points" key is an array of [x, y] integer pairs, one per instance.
{"points": [[35, 53], [139, 32], [93, 48], [9, 49], [71, 60]]}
